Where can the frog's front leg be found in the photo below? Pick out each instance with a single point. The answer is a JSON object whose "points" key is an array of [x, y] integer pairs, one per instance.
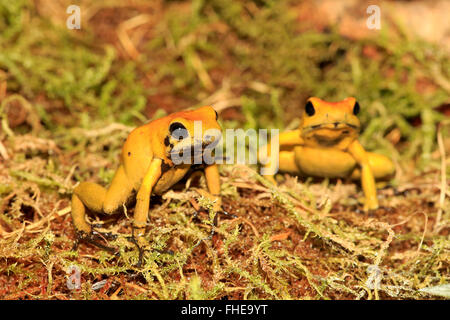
{"points": [[367, 178], [213, 183], [98, 199], [142, 204]]}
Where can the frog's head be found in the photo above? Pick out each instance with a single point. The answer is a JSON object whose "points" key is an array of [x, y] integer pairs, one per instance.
{"points": [[190, 133], [328, 123]]}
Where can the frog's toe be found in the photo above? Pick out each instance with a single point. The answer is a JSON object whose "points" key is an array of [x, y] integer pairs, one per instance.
{"points": [[370, 204], [94, 237], [167, 251], [225, 213], [104, 235], [142, 246]]}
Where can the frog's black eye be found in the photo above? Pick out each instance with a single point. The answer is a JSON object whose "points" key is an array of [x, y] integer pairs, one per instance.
{"points": [[309, 108], [356, 108], [178, 131], [217, 115]]}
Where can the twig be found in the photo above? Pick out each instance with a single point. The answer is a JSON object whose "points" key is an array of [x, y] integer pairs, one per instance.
{"points": [[125, 40], [36, 224], [106, 130], [203, 75], [424, 232]]}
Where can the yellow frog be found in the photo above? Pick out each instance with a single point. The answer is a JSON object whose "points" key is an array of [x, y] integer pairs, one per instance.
{"points": [[151, 163], [326, 145]]}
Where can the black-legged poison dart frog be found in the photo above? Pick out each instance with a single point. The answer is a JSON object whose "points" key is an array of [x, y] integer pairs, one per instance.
{"points": [[147, 167], [326, 145]]}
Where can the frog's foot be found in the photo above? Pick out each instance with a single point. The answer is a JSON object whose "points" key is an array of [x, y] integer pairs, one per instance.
{"points": [[168, 251], [370, 208], [94, 237], [141, 243], [225, 213], [141, 246], [368, 204], [216, 216], [104, 235], [214, 225]]}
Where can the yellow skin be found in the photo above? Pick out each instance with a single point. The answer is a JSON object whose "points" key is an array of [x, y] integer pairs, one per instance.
{"points": [[326, 145], [147, 168]]}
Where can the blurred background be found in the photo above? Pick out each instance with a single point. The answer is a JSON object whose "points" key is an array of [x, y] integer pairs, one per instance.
{"points": [[69, 97], [255, 61]]}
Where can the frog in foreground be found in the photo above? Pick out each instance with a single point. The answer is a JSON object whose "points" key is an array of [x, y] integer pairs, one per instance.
{"points": [[326, 145], [148, 166]]}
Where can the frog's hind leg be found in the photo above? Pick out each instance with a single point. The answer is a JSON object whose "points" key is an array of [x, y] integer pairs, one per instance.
{"points": [[98, 199], [382, 167]]}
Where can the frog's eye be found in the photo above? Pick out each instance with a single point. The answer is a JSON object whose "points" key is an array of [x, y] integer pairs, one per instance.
{"points": [[178, 131], [309, 108], [217, 115], [356, 108]]}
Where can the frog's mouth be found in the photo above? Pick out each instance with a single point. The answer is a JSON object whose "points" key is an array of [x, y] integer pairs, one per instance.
{"points": [[337, 125], [192, 151], [330, 133]]}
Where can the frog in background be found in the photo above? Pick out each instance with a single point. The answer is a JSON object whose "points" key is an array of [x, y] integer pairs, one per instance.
{"points": [[326, 145]]}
